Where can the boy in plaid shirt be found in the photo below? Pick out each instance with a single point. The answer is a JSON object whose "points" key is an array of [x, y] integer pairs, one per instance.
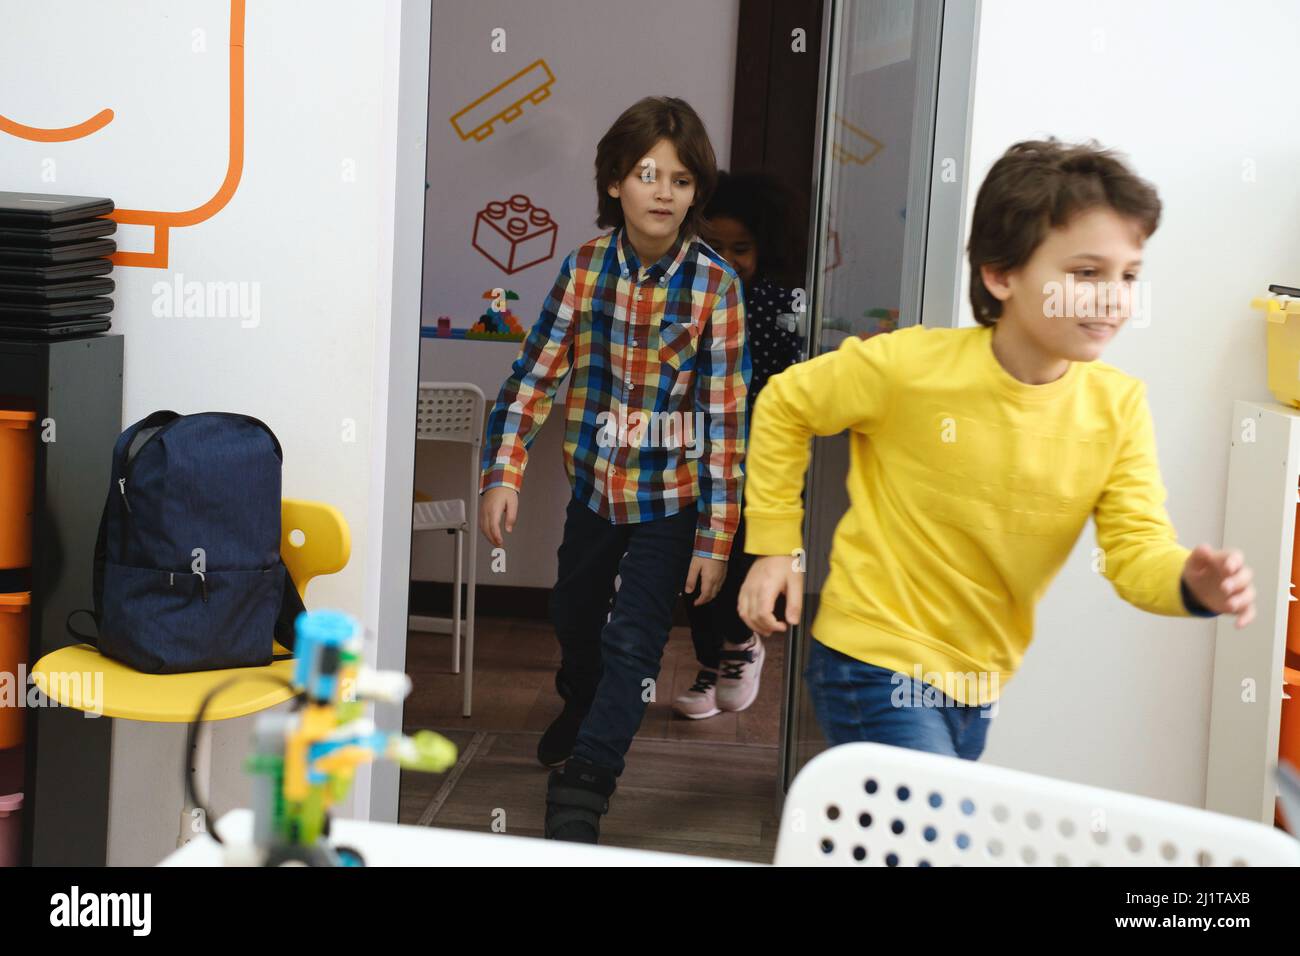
{"points": [[650, 324]]}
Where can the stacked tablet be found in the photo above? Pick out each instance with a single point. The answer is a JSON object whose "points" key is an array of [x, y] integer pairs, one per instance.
{"points": [[55, 271]]}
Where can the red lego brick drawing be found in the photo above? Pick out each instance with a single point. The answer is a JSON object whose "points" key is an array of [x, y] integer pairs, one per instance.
{"points": [[515, 234], [833, 251]]}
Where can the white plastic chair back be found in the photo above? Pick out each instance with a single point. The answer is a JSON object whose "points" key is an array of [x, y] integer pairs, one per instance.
{"points": [[869, 804], [453, 412], [450, 411]]}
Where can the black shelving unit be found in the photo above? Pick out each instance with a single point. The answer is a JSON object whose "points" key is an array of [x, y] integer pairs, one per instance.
{"points": [[77, 386]]}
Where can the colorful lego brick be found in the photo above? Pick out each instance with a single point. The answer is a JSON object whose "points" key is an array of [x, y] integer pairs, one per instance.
{"points": [[498, 323]]}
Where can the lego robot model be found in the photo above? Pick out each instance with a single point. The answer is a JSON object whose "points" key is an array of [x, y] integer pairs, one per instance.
{"points": [[304, 760]]}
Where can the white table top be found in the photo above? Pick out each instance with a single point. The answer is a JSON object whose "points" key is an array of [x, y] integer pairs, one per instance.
{"points": [[388, 844]]}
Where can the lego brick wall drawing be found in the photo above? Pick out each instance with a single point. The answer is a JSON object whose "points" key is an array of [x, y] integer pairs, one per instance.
{"points": [[160, 221], [511, 233], [514, 234], [517, 103], [505, 102], [853, 144]]}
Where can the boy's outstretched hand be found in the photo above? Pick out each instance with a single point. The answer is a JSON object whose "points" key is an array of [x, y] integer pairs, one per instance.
{"points": [[709, 572], [769, 578], [499, 506], [1221, 581]]}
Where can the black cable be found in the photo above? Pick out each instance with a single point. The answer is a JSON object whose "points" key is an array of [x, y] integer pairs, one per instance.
{"points": [[191, 738]]}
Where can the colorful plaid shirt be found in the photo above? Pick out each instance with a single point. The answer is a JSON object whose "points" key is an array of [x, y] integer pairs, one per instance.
{"points": [[655, 417]]}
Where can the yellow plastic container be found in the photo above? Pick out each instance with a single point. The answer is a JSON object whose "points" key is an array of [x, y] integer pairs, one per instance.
{"points": [[1283, 316]]}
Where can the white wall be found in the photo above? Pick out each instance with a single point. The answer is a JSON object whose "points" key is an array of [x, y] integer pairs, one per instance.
{"points": [[309, 227], [622, 51], [1198, 97]]}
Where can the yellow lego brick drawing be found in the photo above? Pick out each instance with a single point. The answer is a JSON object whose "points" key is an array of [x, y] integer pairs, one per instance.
{"points": [[854, 145], [505, 101]]}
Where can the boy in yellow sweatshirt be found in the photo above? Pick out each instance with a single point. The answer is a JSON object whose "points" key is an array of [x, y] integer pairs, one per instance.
{"points": [[976, 457]]}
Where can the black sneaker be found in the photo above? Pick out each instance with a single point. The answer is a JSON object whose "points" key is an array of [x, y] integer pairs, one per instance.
{"points": [[576, 798], [556, 745]]}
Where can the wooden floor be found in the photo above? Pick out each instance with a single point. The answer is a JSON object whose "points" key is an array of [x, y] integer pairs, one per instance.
{"points": [[702, 787]]}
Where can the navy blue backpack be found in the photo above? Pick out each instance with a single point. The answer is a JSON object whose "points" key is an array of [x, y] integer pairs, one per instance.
{"points": [[188, 575]]}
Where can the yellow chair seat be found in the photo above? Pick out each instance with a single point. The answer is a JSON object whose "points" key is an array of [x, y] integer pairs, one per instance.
{"points": [[164, 698], [324, 548]]}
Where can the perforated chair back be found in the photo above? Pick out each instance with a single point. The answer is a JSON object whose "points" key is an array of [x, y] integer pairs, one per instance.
{"points": [[453, 412], [868, 804], [450, 411]]}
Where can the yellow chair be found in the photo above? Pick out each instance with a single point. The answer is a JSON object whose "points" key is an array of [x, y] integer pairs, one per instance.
{"points": [[314, 540]]}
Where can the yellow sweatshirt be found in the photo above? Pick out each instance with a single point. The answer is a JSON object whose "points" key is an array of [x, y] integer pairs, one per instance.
{"points": [[968, 489]]}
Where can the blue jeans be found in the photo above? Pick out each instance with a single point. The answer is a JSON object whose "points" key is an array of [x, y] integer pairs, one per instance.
{"points": [[857, 701]]}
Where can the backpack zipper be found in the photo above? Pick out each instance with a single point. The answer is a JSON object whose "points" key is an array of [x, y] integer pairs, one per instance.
{"points": [[126, 473]]}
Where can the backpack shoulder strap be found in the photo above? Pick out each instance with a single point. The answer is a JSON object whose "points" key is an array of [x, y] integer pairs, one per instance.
{"points": [[290, 607], [96, 584], [91, 639]]}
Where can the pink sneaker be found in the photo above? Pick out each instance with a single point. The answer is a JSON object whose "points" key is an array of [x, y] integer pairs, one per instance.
{"points": [[742, 665], [700, 701]]}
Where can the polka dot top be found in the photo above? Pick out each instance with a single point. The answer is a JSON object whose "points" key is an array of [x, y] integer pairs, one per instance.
{"points": [[772, 345]]}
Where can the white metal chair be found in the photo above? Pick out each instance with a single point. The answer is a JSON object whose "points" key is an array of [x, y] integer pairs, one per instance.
{"points": [[868, 804], [453, 412]]}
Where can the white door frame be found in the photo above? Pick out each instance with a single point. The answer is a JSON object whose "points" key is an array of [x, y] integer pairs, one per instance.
{"points": [[396, 373]]}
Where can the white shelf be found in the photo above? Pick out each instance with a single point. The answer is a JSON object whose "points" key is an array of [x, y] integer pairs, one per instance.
{"points": [[1259, 518]]}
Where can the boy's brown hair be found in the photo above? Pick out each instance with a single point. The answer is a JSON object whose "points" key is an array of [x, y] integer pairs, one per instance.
{"points": [[1039, 185], [634, 134]]}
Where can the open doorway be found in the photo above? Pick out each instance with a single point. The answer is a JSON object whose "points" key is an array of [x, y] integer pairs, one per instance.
{"points": [[516, 108]]}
